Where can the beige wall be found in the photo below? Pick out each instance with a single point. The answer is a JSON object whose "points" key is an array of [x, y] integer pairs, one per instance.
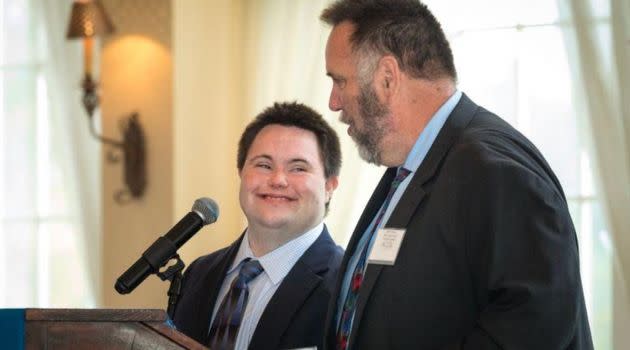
{"points": [[177, 63], [137, 75], [209, 102]]}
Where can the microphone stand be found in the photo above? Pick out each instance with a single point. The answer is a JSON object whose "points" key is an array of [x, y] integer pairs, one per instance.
{"points": [[173, 274]]}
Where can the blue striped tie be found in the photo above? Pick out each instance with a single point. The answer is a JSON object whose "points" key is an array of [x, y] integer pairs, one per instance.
{"points": [[228, 319]]}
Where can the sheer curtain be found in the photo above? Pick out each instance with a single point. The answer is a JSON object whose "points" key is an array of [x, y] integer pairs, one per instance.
{"points": [[79, 153], [599, 37], [49, 184]]}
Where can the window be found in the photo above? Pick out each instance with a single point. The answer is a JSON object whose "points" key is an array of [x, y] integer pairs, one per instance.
{"points": [[42, 262], [512, 59]]}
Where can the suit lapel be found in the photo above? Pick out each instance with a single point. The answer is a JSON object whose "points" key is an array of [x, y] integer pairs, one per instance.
{"points": [[377, 198], [293, 291], [211, 285], [414, 194], [372, 207]]}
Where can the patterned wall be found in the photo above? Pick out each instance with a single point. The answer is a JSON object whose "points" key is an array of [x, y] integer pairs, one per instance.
{"points": [[151, 18]]}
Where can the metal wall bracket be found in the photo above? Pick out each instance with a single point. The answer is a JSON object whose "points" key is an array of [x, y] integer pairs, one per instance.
{"points": [[132, 146]]}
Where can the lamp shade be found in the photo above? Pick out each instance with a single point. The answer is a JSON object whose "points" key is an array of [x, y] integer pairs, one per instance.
{"points": [[88, 19]]}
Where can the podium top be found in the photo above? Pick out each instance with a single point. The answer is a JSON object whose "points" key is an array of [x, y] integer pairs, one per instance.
{"points": [[95, 315], [90, 328]]}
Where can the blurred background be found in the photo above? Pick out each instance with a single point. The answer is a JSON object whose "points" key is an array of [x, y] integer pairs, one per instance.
{"points": [[197, 71]]}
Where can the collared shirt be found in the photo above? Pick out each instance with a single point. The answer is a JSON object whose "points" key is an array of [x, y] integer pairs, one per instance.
{"points": [[277, 265], [415, 157]]}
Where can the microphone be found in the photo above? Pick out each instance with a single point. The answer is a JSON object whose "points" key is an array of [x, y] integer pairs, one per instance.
{"points": [[204, 211]]}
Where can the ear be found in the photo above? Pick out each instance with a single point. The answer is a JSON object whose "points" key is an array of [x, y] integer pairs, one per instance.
{"points": [[331, 185], [387, 76]]}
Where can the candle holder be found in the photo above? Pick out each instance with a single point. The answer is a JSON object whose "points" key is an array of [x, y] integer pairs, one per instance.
{"points": [[88, 19], [90, 96]]}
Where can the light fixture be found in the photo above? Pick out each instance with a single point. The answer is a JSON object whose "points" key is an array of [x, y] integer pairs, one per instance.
{"points": [[87, 20]]}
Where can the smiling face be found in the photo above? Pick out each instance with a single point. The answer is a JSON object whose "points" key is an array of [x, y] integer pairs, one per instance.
{"points": [[283, 187]]}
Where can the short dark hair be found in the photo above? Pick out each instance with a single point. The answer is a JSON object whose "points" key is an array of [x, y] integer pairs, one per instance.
{"points": [[406, 29], [300, 116]]}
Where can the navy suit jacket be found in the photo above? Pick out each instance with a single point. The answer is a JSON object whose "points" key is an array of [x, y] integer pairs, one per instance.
{"points": [[295, 314], [490, 256]]}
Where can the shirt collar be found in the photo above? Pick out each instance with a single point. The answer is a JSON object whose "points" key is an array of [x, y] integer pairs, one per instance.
{"points": [[281, 260], [423, 144]]}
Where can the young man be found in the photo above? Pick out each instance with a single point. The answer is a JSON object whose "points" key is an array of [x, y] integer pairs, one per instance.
{"points": [[467, 242], [270, 289]]}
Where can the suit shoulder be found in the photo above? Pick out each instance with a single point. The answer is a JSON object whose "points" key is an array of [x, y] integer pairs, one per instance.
{"points": [[489, 143], [336, 256], [205, 261], [333, 254], [495, 135], [490, 157]]}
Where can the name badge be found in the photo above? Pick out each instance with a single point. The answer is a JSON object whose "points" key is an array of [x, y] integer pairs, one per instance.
{"points": [[386, 246]]}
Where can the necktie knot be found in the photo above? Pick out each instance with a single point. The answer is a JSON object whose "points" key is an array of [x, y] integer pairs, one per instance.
{"points": [[249, 270], [401, 175]]}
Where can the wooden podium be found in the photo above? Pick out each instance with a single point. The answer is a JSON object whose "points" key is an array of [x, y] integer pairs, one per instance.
{"points": [[96, 329]]}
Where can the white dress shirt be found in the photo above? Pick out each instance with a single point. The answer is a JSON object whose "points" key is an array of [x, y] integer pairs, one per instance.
{"points": [[277, 265]]}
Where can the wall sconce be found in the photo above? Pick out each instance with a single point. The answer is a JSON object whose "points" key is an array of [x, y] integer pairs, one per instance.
{"points": [[87, 20]]}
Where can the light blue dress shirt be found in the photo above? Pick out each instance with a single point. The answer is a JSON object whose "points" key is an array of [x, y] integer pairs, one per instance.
{"points": [[412, 163], [277, 265]]}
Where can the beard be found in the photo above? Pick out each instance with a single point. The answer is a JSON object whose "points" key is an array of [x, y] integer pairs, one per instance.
{"points": [[375, 125]]}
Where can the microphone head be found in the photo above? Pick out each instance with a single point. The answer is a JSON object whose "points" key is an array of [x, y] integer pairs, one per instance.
{"points": [[207, 209]]}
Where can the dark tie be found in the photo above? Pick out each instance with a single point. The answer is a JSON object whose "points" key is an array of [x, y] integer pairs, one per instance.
{"points": [[349, 305], [228, 319]]}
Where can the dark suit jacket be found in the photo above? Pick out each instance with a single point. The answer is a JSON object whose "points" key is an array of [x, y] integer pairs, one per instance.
{"points": [[490, 256], [295, 314]]}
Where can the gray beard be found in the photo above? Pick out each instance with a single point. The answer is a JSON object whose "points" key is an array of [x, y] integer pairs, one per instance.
{"points": [[375, 121]]}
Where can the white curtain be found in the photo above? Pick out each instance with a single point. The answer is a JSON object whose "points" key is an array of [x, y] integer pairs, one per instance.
{"points": [[284, 49], [598, 34], [77, 152]]}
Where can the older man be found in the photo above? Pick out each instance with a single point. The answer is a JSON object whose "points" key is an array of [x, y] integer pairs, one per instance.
{"points": [[467, 242], [270, 288]]}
